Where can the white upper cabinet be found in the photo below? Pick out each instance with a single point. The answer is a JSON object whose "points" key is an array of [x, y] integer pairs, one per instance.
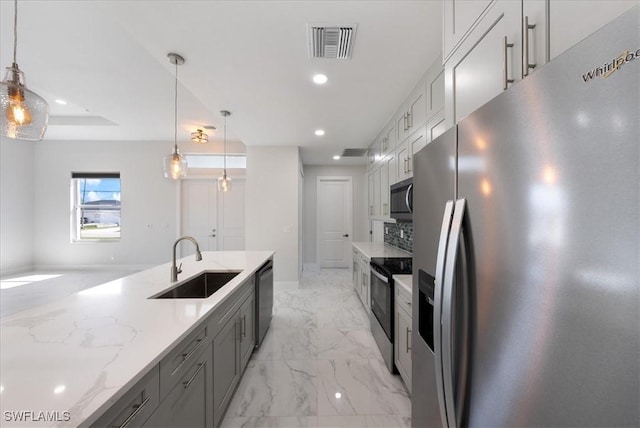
{"points": [[486, 63], [573, 20], [459, 16], [387, 140], [491, 45], [413, 114]]}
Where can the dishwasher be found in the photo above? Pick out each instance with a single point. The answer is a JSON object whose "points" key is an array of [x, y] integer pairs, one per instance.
{"points": [[264, 300]]}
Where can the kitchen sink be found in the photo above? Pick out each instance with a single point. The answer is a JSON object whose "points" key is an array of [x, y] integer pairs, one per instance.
{"points": [[199, 287]]}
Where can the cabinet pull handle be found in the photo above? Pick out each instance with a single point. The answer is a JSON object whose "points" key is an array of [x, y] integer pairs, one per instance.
{"points": [[525, 51], [137, 408], [408, 164], [408, 335], [193, 376], [244, 326], [404, 118], [187, 355], [506, 79], [409, 120]]}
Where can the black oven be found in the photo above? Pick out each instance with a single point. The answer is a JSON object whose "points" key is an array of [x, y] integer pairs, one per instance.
{"points": [[382, 302], [401, 198], [382, 298]]}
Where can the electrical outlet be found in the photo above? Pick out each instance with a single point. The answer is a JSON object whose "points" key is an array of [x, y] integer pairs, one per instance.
{"points": [[401, 233]]}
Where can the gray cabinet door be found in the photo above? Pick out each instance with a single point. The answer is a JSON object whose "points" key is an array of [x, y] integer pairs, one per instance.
{"points": [[190, 402], [247, 329], [226, 366]]}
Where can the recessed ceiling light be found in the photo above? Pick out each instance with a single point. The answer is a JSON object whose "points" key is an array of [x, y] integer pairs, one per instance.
{"points": [[320, 79], [319, 132], [61, 102], [336, 157]]}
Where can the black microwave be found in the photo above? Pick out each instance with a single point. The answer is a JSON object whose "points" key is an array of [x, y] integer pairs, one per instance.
{"points": [[402, 200]]}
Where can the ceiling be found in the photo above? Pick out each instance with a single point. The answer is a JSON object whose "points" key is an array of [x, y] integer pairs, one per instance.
{"points": [[108, 60]]}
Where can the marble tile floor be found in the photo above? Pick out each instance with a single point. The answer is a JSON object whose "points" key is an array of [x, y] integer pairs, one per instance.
{"points": [[319, 365]]}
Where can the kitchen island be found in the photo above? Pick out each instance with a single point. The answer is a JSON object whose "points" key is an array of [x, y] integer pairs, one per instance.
{"points": [[68, 362]]}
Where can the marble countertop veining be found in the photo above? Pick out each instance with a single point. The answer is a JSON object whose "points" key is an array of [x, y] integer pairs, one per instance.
{"points": [[80, 354], [380, 249]]}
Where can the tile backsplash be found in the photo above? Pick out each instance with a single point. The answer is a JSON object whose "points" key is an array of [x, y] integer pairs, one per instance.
{"points": [[393, 237]]}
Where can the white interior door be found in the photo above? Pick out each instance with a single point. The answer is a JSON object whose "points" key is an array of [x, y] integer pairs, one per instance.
{"points": [[334, 221], [199, 214], [231, 217]]}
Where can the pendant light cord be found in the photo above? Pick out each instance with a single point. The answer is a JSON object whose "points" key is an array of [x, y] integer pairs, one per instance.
{"points": [[175, 116], [15, 30], [225, 145]]}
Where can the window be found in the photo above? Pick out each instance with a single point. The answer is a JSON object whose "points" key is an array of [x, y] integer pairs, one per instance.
{"points": [[238, 161], [95, 200]]}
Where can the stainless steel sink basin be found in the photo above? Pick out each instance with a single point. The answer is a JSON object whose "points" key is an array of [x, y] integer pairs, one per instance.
{"points": [[199, 287]]}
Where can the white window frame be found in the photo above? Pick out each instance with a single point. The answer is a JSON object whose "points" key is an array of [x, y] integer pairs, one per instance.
{"points": [[76, 225]]}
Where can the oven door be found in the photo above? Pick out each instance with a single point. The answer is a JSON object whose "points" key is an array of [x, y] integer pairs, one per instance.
{"points": [[382, 300]]}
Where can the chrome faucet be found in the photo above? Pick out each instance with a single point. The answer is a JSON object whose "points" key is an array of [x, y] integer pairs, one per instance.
{"points": [[176, 270]]}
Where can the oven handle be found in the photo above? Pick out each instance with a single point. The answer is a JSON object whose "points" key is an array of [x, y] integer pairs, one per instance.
{"points": [[379, 276]]}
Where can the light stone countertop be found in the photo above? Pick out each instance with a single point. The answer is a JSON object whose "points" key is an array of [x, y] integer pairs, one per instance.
{"points": [[380, 249], [80, 354], [404, 281]]}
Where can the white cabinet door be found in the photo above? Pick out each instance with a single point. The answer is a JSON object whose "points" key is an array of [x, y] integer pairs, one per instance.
{"points": [[458, 18], [436, 126], [487, 63], [573, 20], [403, 345], [376, 192], [435, 91], [402, 159], [387, 175], [370, 189], [357, 273], [413, 114], [387, 140]]}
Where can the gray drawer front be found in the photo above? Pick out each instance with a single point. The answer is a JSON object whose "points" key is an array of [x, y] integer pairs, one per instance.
{"points": [[135, 406], [174, 365]]}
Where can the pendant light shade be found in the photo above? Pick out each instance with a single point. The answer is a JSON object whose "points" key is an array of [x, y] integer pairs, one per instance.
{"points": [[25, 114], [224, 182], [175, 164]]}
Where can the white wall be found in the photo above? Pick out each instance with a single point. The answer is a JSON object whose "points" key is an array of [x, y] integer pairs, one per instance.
{"points": [[272, 206], [16, 205], [360, 226], [148, 210]]}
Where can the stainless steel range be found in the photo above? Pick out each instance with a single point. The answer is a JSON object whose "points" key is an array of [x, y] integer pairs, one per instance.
{"points": [[382, 302]]}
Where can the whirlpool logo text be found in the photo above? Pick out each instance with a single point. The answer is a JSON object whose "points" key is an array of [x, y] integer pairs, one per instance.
{"points": [[609, 68]]}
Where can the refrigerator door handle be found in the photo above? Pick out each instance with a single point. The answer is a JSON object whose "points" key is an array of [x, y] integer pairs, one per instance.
{"points": [[437, 310], [454, 320]]}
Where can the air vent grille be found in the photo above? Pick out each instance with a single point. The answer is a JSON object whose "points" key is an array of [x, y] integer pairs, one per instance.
{"points": [[353, 153], [331, 41]]}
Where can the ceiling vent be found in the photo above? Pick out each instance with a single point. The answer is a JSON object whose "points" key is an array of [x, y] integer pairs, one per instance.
{"points": [[331, 41], [353, 153]]}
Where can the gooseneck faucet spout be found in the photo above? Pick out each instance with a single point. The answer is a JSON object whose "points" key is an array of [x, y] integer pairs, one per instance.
{"points": [[176, 270]]}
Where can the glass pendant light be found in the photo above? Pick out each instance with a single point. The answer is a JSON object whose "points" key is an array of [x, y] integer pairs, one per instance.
{"points": [[224, 182], [25, 114], [175, 164]]}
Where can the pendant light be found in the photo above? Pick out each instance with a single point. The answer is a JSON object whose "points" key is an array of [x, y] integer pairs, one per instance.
{"points": [[175, 164], [24, 113], [224, 182]]}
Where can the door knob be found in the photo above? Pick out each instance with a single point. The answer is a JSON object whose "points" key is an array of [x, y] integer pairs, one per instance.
{"points": [[346, 235]]}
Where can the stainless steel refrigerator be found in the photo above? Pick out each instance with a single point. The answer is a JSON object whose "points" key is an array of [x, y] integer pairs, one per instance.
{"points": [[526, 249]]}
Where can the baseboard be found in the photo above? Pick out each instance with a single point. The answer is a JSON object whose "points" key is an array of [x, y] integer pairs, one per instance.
{"points": [[15, 270]]}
